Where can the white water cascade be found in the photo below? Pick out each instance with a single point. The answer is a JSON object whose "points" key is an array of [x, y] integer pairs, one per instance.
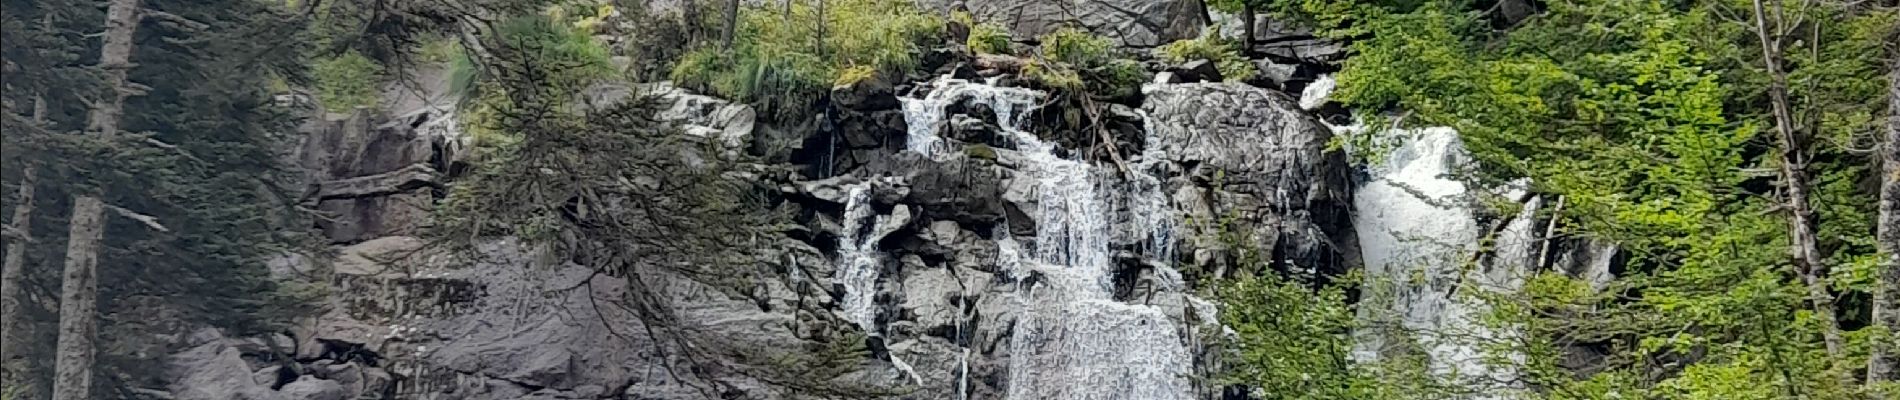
{"points": [[1072, 339], [1418, 233], [859, 268], [857, 255]]}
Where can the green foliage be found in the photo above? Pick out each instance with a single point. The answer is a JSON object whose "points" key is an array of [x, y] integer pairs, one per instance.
{"points": [[348, 81], [1078, 62], [985, 38], [1074, 46], [564, 60], [1647, 118], [1210, 46], [1053, 75], [1294, 340], [778, 64], [854, 74], [198, 153]]}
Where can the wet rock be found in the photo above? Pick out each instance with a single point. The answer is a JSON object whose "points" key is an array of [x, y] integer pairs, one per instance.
{"points": [[872, 94], [311, 388], [1198, 71], [1262, 161], [215, 371]]}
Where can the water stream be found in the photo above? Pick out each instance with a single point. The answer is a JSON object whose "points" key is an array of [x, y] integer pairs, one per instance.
{"points": [[1072, 339]]}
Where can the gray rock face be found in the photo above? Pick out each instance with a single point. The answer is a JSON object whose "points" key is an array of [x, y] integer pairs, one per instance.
{"points": [[310, 388], [1132, 23], [376, 176], [1259, 157], [406, 321], [217, 371]]}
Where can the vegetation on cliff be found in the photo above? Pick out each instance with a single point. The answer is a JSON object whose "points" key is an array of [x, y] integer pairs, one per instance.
{"points": [[1722, 144]]}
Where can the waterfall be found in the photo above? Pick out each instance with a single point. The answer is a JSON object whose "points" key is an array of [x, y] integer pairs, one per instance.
{"points": [[921, 116], [1072, 339], [1416, 234], [857, 256]]}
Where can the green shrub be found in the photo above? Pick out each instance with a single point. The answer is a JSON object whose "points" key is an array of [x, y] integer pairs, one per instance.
{"points": [[985, 38], [347, 81], [854, 74], [1225, 55], [1053, 75], [1076, 60], [776, 64], [570, 59], [1077, 47]]}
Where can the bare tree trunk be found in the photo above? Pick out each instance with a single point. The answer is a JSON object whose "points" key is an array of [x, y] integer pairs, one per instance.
{"points": [[689, 11], [78, 301], [79, 291], [12, 304], [13, 271], [1883, 366], [1801, 224], [732, 23], [1246, 28]]}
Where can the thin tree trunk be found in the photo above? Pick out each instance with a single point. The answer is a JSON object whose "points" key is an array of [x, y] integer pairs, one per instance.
{"points": [[821, 29], [13, 271], [690, 12], [1246, 28], [1801, 225], [12, 304], [1883, 366], [732, 23], [79, 290], [78, 301]]}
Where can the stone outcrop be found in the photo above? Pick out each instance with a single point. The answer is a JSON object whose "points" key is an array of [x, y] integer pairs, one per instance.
{"points": [[376, 176], [1254, 156], [1132, 23]]}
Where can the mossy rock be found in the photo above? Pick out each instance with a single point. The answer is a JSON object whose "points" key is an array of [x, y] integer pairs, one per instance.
{"points": [[979, 151]]}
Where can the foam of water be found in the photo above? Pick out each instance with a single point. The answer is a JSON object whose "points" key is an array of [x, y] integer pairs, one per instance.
{"points": [[1417, 235], [858, 258], [1072, 339], [1316, 93], [1012, 106]]}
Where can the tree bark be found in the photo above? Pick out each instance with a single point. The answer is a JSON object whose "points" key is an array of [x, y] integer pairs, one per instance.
{"points": [[1803, 246], [79, 289], [689, 11], [820, 42], [1883, 365], [732, 24], [78, 301], [1246, 28], [12, 273]]}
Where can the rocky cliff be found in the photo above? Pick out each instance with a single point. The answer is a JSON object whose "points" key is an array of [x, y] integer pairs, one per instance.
{"points": [[983, 245]]}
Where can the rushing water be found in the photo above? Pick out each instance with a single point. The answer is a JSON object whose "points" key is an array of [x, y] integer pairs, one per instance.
{"points": [[857, 255], [1072, 339], [1419, 237]]}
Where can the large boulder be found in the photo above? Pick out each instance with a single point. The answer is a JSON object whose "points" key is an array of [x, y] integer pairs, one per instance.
{"points": [[215, 370], [374, 175], [1131, 23], [1257, 157]]}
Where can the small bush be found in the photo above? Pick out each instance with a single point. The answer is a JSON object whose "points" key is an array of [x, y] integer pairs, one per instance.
{"points": [[347, 81], [985, 38], [854, 74], [1075, 60], [1077, 47], [1225, 55], [1053, 75]]}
